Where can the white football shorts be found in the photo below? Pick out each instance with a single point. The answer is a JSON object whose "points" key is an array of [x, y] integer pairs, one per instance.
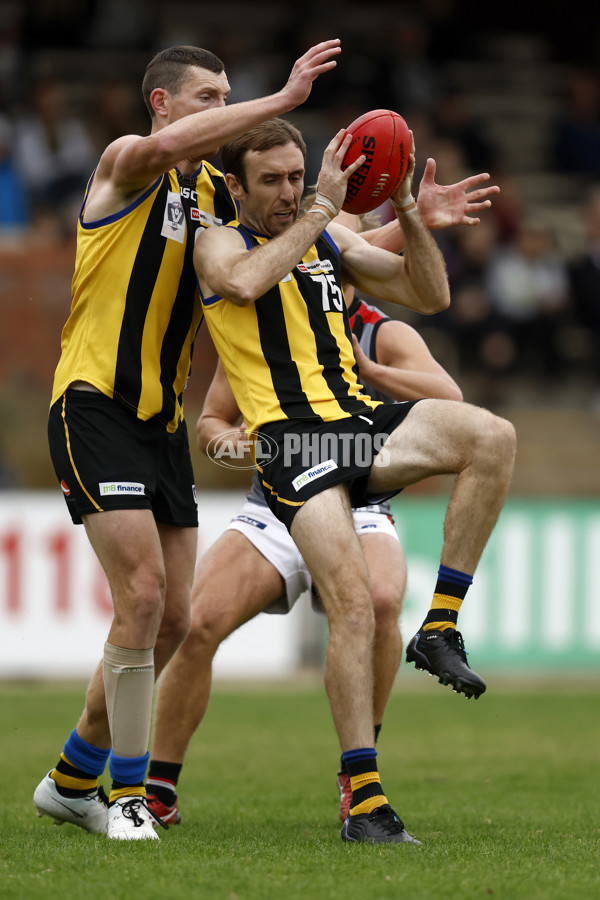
{"points": [[273, 540]]}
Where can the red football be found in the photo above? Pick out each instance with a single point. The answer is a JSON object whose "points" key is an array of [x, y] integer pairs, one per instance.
{"points": [[384, 138]]}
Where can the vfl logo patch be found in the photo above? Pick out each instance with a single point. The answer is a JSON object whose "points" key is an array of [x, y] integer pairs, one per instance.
{"points": [[116, 488], [316, 472], [173, 226]]}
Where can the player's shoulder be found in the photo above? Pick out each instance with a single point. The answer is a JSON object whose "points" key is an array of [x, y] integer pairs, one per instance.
{"points": [[394, 329], [394, 336], [112, 151], [207, 239]]}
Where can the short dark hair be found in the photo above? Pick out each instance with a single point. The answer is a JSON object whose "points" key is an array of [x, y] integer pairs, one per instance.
{"points": [[169, 69], [273, 133]]}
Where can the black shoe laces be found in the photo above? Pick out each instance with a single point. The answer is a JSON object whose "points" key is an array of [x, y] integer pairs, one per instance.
{"points": [[387, 819], [455, 641], [131, 810]]}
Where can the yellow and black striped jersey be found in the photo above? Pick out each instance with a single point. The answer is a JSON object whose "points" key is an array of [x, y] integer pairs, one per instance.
{"points": [[135, 309], [289, 354]]}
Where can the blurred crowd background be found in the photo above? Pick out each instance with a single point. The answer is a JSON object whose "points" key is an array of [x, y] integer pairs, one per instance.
{"points": [[514, 92]]}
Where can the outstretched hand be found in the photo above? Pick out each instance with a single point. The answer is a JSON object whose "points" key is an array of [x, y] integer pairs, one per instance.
{"points": [[444, 205], [315, 62]]}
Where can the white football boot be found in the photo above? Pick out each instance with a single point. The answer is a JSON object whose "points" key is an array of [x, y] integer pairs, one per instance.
{"points": [[89, 812], [129, 819]]}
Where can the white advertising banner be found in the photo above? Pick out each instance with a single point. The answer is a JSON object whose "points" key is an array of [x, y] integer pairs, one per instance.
{"points": [[55, 605], [533, 604]]}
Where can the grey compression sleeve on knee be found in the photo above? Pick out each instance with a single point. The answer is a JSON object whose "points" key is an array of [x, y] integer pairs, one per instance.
{"points": [[128, 686]]}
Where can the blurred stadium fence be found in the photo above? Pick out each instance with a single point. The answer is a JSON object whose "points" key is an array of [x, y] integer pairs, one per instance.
{"points": [[533, 605]]}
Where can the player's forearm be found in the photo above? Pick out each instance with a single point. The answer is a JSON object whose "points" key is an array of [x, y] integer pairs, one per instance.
{"points": [[388, 237], [209, 427], [426, 276], [405, 384], [256, 272], [197, 135]]}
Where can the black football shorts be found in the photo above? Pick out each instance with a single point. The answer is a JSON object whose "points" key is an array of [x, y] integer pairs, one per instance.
{"points": [[106, 458], [298, 458]]}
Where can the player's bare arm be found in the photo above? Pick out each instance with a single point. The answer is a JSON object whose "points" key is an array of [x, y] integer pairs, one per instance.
{"points": [[132, 163], [220, 412], [405, 369], [226, 268], [417, 280]]}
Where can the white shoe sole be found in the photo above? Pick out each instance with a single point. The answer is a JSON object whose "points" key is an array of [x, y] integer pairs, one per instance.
{"points": [[138, 835]]}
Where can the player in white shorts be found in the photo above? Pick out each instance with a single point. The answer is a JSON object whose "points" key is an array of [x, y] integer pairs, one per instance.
{"points": [[271, 538]]}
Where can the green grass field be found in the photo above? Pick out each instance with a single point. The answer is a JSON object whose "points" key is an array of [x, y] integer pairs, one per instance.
{"points": [[504, 794]]}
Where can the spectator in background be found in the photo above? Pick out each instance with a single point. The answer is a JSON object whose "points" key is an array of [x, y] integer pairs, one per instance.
{"points": [[116, 109], [577, 130], [527, 283], [509, 211], [468, 320], [14, 204], [413, 77], [584, 283], [452, 119], [249, 76], [9, 477], [54, 151]]}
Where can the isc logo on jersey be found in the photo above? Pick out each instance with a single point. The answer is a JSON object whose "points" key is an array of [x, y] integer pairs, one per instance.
{"points": [[112, 488]]}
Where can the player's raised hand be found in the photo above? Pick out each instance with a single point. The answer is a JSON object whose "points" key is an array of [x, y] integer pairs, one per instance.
{"points": [[403, 192], [316, 61], [332, 182], [444, 205]]}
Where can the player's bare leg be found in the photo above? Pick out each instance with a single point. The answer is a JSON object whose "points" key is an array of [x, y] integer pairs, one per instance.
{"points": [[387, 570], [323, 530], [177, 556], [119, 698], [339, 571], [233, 583], [444, 437]]}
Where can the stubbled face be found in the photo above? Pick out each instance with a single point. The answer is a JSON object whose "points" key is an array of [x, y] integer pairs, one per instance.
{"points": [[275, 183], [201, 90]]}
